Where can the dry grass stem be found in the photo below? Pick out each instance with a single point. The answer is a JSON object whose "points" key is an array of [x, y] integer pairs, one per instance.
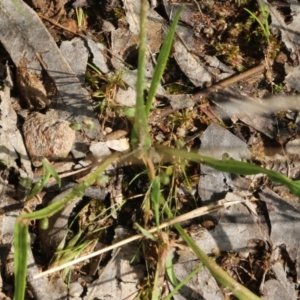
{"points": [[228, 201]]}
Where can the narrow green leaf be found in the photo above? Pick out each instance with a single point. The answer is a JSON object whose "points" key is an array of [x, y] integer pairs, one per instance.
{"points": [[35, 190], [217, 272], [170, 270], [234, 166], [77, 191], [162, 61], [183, 282], [50, 170], [20, 259], [66, 253], [144, 232], [265, 26]]}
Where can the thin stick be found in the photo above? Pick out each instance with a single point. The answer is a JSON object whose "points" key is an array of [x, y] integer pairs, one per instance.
{"points": [[201, 13], [60, 26], [190, 215], [229, 81], [197, 97]]}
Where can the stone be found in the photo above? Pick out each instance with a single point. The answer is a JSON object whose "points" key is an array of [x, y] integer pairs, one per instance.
{"points": [[46, 136], [75, 289]]}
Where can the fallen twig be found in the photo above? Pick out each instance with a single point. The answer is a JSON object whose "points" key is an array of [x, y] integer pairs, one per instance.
{"points": [[197, 97]]}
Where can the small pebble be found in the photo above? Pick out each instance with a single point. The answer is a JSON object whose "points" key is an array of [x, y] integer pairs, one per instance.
{"points": [[75, 289], [46, 136], [108, 130], [292, 147]]}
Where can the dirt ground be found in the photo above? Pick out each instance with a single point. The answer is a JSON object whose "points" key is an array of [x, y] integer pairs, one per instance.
{"points": [[230, 90]]}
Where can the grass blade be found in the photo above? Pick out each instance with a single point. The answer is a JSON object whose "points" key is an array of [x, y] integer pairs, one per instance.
{"points": [[21, 230], [20, 259], [180, 284], [217, 272], [234, 166], [170, 270], [49, 169], [264, 26], [75, 192], [145, 232], [162, 61]]}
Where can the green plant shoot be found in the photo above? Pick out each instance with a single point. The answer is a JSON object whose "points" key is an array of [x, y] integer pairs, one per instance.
{"points": [[21, 225], [140, 138], [264, 24], [233, 166], [140, 135], [48, 172]]}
